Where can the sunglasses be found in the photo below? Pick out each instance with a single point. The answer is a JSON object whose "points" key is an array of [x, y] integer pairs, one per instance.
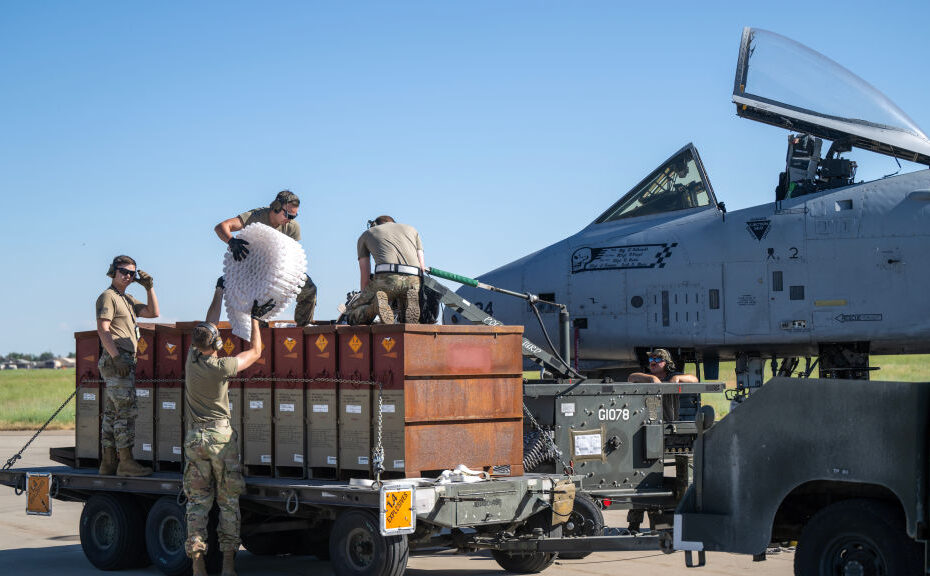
{"points": [[656, 360], [126, 272], [289, 215]]}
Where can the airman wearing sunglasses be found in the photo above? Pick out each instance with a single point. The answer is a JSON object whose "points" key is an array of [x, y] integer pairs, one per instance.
{"points": [[280, 215], [662, 369], [117, 327]]}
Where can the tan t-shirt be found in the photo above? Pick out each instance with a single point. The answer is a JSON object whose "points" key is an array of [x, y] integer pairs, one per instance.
{"points": [[121, 310], [263, 216], [206, 385], [391, 243]]}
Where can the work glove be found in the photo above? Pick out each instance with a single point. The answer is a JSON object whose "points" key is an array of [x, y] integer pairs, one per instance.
{"points": [[221, 282], [260, 310], [145, 280], [238, 248], [122, 366]]}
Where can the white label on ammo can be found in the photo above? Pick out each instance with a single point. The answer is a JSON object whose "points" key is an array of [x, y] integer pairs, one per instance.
{"points": [[142, 392], [299, 458], [176, 450], [321, 408], [363, 460], [387, 408], [146, 447], [256, 404], [89, 396], [286, 407], [331, 460], [353, 408], [266, 458], [398, 463], [168, 405]]}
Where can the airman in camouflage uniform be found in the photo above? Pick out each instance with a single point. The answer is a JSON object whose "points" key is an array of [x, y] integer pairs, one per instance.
{"points": [[398, 254], [212, 469], [281, 216], [119, 333]]}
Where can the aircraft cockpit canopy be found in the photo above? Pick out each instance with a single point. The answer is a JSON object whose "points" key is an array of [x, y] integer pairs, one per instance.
{"points": [[678, 184], [784, 83]]}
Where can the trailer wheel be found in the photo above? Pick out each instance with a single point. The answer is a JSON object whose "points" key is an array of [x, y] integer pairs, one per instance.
{"points": [[535, 561], [857, 537], [166, 532], [357, 548], [112, 531], [586, 520]]}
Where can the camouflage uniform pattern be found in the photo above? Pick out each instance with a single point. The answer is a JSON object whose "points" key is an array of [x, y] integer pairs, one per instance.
{"points": [[212, 471], [306, 303], [364, 308], [118, 426]]}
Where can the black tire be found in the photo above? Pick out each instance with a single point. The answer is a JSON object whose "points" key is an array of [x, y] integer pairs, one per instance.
{"points": [[865, 536], [534, 562], [586, 520], [166, 532], [112, 532], [357, 548]]}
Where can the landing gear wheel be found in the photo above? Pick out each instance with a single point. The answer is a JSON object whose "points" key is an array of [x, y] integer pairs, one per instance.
{"points": [[166, 532], [113, 531], [865, 537], [357, 548], [586, 520], [533, 562]]}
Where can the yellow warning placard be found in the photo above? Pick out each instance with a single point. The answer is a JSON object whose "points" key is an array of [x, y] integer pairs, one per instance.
{"points": [[142, 346], [387, 343], [322, 343], [289, 343], [38, 487], [397, 509], [355, 343], [228, 346]]}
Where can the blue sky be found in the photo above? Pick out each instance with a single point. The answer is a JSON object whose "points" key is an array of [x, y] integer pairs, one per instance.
{"points": [[495, 128]]}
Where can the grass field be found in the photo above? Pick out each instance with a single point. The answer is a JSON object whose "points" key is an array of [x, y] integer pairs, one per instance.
{"points": [[28, 398]]}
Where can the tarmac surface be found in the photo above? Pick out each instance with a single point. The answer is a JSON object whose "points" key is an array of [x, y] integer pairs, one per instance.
{"points": [[39, 545]]}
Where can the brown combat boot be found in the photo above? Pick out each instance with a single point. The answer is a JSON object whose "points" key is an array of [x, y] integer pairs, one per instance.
{"points": [[128, 466], [229, 563], [200, 565], [412, 309], [108, 461], [384, 308]]}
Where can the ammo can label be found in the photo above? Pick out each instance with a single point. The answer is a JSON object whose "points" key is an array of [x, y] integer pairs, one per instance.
{"points": [[90, 397], [142, 392], [176, 450], [299, 458], [286, 408], [169, 406], [256, 404], [331, 460], [266, 458], [353, 409], [321, 408]]}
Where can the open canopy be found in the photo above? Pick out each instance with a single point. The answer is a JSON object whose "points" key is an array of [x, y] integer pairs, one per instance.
{"points": [[784, 83]]}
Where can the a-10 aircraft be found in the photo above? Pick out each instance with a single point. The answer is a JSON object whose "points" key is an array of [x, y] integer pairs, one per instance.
{"points": [[832, 268]]}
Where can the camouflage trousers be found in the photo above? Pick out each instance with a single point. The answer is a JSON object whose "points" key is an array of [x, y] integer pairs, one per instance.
{"points": [[363, 309], [118, 426], [212, 471]]}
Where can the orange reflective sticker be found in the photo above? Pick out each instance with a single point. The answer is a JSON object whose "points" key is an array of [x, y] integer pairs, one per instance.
{"points": [[289, 343], [142, 346], [397, 509], [322, 343], [387, 343], [228, 346], [355, 343]]}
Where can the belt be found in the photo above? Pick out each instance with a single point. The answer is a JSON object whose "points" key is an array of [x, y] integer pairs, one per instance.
{"points": [[222, 422], [397, 269]]}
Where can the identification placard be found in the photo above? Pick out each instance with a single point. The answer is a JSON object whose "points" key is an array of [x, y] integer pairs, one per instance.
{"points": [[38, 488], [398, 515]]}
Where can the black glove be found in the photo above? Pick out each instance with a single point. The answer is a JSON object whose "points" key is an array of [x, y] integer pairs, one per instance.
{"points": [[221, 282], [238, 248], [260, 310], [122, 366]]}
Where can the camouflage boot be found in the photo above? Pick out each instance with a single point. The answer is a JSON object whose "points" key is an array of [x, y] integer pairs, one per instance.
{"points": [[412, 309], [306, 304], [200, 565], [229, 563], [128, 466], [108, 461], [384, 308]]}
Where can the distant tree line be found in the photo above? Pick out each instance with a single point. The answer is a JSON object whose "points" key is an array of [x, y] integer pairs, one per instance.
{"points": [[31, 357]]}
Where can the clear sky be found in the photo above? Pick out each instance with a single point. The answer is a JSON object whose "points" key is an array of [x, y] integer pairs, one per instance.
{"points": [[495, 128]]}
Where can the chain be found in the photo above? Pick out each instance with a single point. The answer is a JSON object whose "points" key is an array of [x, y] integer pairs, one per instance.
{"points": [[568, 470], [18, 455]]}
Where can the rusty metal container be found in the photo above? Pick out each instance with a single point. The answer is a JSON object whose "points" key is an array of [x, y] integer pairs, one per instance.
{"points": [[289, 402], [144, 448], [87, 411], [169, 397], [354, 419], [262, 368], [320, 360], [452, 395]]}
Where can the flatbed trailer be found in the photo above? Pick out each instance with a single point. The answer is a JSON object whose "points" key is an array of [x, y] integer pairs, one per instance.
{"points": [[362, 526]]}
